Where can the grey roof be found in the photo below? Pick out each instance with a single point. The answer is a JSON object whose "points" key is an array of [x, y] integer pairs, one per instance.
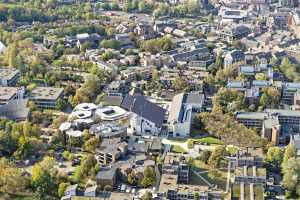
{"points": [[15, 110], [144, 108], [194, 98], [282, 112], [107, 173], [46, 93], [112, 100], [7, 93], [251, 115], [175, 109], [8, 73]]}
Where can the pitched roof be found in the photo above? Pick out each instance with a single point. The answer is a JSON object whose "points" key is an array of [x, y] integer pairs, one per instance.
{"points": [[144, 108]]}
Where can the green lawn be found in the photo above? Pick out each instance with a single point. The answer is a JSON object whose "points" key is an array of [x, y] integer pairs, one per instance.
{"points": [[178, 149], [206, 140]]}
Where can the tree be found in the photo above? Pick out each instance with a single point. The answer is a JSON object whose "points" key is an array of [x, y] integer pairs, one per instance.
{"points": [[62, 188], [11, 179], [112, 44], [180, 84], [291, 174], [216, 156], [91, 144], [149, 177], [270, 97], [226, 128], [229, 100], [274, 157], [147, 195], [131, 178], [87, 163], [61, 104], [107, 55], [214, 174], [204, 156], [42, 180], [289, 152], [157, 45]]}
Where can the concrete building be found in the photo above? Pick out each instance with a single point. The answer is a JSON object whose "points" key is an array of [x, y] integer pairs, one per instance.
{"points": [[175, 164], [46, 97], [10, 93], [181, 113], [276, 124], [107, 176], [9, 76], [288, 92], [111, 150]]}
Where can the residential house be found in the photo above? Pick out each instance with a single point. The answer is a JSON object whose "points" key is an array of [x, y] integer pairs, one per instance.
{"points": [[233, 57], [231, 33]]}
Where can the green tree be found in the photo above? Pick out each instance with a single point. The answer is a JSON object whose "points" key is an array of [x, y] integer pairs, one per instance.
{"points": [[149, 177], [180, 84], [42, 180], [291, 174], [91, 144], [290, 152], [147, 195], [62, 188], [204, 156], [11, 180], [131, 178], [274, 157], [112, 44], [216, 157]]}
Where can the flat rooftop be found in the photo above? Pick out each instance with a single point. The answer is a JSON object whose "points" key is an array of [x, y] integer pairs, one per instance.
{"points": [[169, 182], [251, 115], [8, 73], [46, 93], [7, 93]]}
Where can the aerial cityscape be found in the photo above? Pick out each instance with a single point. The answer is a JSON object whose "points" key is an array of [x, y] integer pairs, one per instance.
{"points": [[149, 99]]}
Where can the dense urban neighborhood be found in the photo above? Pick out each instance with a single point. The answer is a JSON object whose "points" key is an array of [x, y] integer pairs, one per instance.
{"points": [[149, 99]]}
